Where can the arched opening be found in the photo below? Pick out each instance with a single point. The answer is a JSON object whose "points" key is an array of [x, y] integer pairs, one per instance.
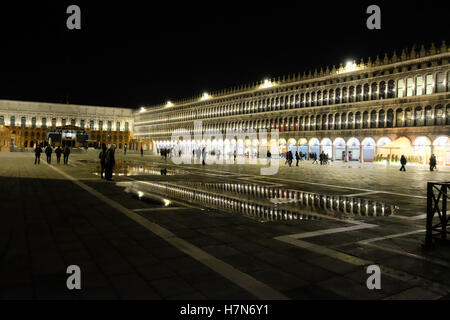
{"points": [[339, 149], [353, 146], [422, 149], [368, 149], [441, 146], [303, 146], [327, 147], [292, 145], [314, 146]]}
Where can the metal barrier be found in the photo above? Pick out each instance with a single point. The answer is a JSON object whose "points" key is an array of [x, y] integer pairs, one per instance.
{"points": [[437, 195]]}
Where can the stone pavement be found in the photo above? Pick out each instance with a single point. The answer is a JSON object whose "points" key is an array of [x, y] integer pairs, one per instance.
{"points": [[47, 222]]}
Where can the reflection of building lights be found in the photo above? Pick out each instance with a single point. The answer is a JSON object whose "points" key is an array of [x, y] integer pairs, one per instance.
{"points": [[169, 104], [142, 109]]}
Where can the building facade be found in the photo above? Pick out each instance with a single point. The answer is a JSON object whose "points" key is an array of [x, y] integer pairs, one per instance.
{"points": [[23, 124], [364, 112]]}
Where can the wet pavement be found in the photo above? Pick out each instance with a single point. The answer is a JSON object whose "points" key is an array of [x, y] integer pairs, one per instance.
{"points": [[305, 233]]}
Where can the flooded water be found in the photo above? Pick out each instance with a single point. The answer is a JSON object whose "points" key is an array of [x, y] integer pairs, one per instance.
{"points": [[128, 168], [262, 202]]}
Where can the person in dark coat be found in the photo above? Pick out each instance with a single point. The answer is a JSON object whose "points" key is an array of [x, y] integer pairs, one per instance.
{"points": [[432, 162], [204, 156], [110, 162], [125, 150], [37, 154], [142, 152], [403, 163], [48, 152], [58, 152], [66, 155], [102, 157], [297, 158]]}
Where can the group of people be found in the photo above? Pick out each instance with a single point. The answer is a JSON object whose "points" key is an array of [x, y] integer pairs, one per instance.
{"points": [[433, 161], [107, 161], [48, 152], [323, 157]]}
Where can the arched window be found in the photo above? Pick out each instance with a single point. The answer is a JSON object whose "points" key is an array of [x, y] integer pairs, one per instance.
{"points": [[366, 92], [381, 118], [439, 115], [344, 95], [419, 116], [391, 89], [374, 91], [358, 120], [409, 122], [350, 121], [365, 120], [337, 121], [382, 94], [331, 97], [358, 96], [440, 82], [324, 122], [325, 97], [351, 94], [399, 119], [318, 122], [344, 121], [390, 119], [337, 97], [373, 119]]}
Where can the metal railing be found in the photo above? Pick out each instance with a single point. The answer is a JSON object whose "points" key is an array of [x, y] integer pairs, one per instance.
{"points": [[437, 195]]}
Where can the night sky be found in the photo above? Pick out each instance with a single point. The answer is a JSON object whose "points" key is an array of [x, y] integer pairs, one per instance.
{"points": [[139, 53]]}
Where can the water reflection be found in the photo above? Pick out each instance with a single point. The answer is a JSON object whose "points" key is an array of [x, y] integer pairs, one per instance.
{"points": [[124, 168], [262, 202]]}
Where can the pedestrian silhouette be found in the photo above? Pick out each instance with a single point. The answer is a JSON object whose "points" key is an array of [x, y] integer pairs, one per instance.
{"points": [[403, 163], [37, 154], [102, 157]]}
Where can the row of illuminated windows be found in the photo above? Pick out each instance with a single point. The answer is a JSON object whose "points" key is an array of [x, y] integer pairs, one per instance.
{"points": [[64, 122], [411, 86], [407, 117]]}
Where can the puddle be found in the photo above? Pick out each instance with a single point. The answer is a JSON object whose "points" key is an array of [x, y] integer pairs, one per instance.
{"points": [[262, 202], [125, 168]]}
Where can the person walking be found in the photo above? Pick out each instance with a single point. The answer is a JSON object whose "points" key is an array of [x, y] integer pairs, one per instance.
{"points": [[37, 154], [297, 158], [235, 155], [125, 150], [58, 152], [314, 156], [142, 152], [204, 156], [403, 163], [48, 152], [66, 155], [432, 162], [269, 156], [102, 157], [110, 162]]}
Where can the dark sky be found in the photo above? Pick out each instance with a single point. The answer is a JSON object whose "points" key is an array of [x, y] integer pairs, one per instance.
{"points": [[142, 53]]}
